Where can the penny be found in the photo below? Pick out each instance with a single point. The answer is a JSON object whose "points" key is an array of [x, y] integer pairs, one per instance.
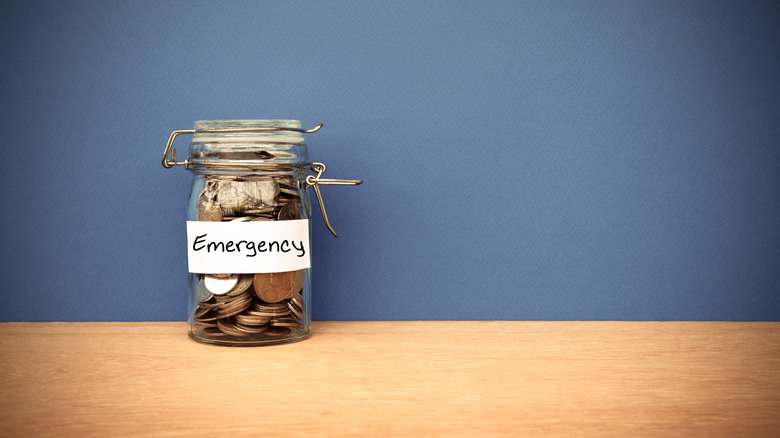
{"points": [[288, 190], [219, 286], [277, 331], [274, 286]]}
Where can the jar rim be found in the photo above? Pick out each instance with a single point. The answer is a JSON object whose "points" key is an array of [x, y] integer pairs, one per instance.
{"points": [[205, 131], [202, 125]]}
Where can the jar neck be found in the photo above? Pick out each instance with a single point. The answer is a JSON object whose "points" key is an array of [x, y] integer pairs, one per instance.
{"points": [[247, 145]]}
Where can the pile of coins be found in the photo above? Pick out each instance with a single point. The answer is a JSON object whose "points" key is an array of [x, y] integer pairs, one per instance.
{"points": [[242, 305]]}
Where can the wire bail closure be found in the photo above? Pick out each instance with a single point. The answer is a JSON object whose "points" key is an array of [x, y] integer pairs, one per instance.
{"points": [[315, 181], [311, 180], [169, 149]]}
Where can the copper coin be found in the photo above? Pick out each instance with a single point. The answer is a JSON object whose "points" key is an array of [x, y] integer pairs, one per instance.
{"points": [[273, 287], [277, 331]]}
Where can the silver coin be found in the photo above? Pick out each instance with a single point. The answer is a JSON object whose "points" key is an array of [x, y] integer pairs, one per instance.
{"points": [[251, 329], [297, 299], [260, 210], [244, 283], [295, 311], [201, 292], [220, 286], [229, 328], [200, 311], [253, 320], [207, 317], [283, 322], [234, 307]]}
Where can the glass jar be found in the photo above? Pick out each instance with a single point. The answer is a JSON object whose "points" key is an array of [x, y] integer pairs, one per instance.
{"points": [[248, 230]]}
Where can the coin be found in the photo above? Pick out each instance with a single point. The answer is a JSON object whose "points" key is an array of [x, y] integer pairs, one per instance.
{"points": [[210, 315], [201, 292], [212, 331], [263, 306], [234, 307], [219, 286], [243, 284], [290, 212], [297, 299], [283, 322], [253, 320], [277, 331], [200, 311], [251, 329], [290, 191], [273, 287], [297, 313], [299, 277], [228, 328]]}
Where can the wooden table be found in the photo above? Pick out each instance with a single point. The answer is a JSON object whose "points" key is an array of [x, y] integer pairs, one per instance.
{"points": [[395, 379]]}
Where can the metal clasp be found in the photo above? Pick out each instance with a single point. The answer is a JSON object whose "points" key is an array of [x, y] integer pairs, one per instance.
{"points": [[316, 180], [169, 149]]}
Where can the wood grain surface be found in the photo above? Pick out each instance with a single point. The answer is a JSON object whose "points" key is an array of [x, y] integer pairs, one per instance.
{"points": [[431, 378]]}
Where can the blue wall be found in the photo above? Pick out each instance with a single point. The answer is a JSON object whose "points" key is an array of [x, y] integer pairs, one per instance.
{"points": [[548, 160]]}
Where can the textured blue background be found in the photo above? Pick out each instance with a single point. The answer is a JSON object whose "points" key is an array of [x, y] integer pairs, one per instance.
{"points": [[613, 160]]}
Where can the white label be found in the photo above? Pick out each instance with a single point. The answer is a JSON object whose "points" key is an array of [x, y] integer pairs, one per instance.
{"points": [[248, 247]]}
